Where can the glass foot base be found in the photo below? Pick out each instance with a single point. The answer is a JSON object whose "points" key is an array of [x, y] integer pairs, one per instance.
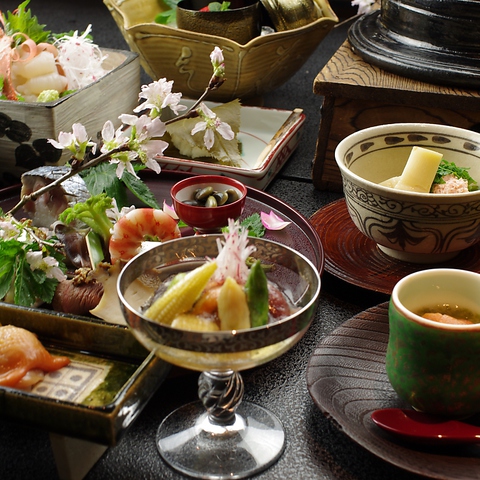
{"points": [[191, 444]]}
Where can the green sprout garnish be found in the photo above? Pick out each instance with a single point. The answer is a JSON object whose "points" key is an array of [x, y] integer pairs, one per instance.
{"points": [[92, 212]]}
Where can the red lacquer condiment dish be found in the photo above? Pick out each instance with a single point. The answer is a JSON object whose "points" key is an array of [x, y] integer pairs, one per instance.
{"points": [[203, 217]]}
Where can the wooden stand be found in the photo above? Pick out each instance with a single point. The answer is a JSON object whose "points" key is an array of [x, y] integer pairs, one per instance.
{"points": [[359, 95]]}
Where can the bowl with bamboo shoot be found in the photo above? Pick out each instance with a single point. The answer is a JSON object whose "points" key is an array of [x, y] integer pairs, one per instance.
{"points": [[412, 188]]}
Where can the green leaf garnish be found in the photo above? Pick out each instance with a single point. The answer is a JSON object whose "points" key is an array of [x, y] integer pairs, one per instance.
{"points": [[253, 224], [17, 279], [22, 21], [92, 212], [140, 190], [10, 250], [218, 7], [103, 179], [449, 168], [168, 16]]}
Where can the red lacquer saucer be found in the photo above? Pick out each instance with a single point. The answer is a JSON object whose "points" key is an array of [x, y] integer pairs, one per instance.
{"points": [[354, 258]]}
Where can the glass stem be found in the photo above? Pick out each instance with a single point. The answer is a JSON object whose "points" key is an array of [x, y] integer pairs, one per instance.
{"points": [[221, 393]]}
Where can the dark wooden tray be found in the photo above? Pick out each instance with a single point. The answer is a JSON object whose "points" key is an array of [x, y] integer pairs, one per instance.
{"points": [[347, 380]]}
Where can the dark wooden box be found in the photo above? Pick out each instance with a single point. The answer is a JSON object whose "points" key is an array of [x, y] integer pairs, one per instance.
{"points": [[358, 95]]}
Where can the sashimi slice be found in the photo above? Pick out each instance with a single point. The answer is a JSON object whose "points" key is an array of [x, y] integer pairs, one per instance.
{"points": [[20, 352]]}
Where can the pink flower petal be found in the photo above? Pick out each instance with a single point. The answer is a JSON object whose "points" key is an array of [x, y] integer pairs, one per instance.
{"points": [[273, 221], [169, 210]]}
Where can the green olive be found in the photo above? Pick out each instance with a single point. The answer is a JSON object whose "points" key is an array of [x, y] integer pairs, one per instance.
{"points": [[221, 197], [233, 195], [208, 197], [192, 202], [203, 193], [211, 202]]}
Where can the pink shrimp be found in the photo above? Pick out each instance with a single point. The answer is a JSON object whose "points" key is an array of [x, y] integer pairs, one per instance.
{"points": [[141, 224]]}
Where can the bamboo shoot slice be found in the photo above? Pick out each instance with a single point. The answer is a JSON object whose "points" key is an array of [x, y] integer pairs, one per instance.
{"points": [[419, 171]]}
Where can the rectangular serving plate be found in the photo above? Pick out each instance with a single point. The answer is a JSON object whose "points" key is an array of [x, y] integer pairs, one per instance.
{"points": [[103, 424], [269, 137], [47, 120]]}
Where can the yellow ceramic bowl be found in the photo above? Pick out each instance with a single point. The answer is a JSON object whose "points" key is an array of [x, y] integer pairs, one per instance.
{"points": [[259, 66]]}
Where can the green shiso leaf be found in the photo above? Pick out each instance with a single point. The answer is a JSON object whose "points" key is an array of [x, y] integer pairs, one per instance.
{"points": [[29, 285], [253, 223], [24, 22]]}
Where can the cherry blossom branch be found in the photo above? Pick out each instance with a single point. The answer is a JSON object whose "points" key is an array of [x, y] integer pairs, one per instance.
{"points": [[144, 130]]}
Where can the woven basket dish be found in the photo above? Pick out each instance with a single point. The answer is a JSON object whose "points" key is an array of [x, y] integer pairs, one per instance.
{"points": [[259, 66]]}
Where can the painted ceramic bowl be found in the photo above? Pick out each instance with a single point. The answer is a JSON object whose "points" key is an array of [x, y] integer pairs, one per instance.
{"points": [[431, 365], [410, 226], [207, 202], [253, 69]]}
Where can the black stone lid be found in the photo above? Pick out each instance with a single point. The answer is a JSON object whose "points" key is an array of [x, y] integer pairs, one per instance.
{"points": [[435, 41]]}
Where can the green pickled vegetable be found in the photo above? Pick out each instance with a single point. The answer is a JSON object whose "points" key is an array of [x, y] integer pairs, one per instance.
{"points": [[256, 290]]}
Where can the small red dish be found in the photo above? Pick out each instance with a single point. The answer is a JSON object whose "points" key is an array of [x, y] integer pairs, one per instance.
{"points": [[202, 218]]}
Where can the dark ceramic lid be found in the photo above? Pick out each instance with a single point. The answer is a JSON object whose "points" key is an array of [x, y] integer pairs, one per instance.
{"points": [[435, 41]]}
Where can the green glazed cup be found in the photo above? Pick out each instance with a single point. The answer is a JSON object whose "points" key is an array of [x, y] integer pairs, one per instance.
{"points": [[435, 367]]}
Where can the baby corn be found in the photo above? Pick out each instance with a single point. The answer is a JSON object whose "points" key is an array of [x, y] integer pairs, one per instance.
{"points": [[181, 296]]}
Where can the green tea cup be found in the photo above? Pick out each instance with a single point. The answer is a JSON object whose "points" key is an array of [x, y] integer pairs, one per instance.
{"points": [[434, 366]]}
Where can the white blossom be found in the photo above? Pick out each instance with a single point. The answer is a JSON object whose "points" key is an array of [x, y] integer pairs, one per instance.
{"points": [[142, 144], [218, 62], [114, 214], [8, 230], [48, 264], [77, 141], [211, 123], [364, 6], [158, 95]]}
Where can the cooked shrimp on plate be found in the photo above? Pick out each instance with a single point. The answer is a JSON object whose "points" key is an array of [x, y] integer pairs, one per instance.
{"points": [[138, 226]]}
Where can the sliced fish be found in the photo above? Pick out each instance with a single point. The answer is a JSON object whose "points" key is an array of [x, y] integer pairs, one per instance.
{"points": [[45, 210]]}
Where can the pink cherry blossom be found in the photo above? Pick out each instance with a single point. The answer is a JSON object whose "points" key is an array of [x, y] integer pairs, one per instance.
{"points": [[272, 221]]}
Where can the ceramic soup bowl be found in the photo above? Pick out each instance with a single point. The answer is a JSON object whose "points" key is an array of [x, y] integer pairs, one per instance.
{"points": [[433, 366], [410, 226]]}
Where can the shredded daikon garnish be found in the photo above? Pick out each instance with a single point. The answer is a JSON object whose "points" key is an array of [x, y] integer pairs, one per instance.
{"points": [[233, 254], [80, 59]]}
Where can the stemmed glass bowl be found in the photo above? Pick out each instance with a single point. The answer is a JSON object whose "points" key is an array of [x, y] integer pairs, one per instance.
{"points": [[220, 436]]}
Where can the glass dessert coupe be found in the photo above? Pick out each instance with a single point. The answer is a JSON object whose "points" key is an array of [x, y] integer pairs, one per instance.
{"points": [[220, 436]]}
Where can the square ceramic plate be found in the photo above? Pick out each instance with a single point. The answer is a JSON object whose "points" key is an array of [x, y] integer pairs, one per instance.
{"points": [[268, 136], [105, 358]]}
